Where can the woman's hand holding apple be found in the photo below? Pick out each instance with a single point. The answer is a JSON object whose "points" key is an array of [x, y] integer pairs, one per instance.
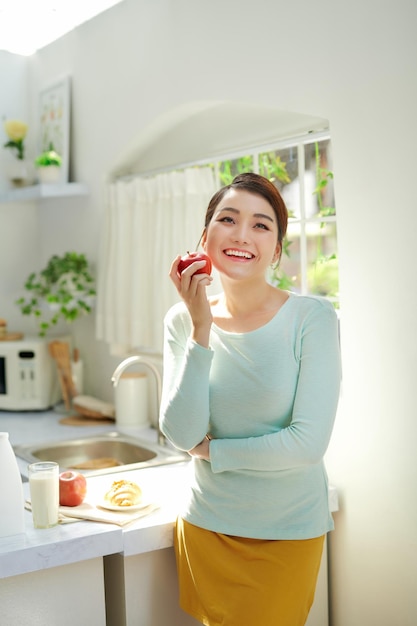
{"points": [[191, 275]]}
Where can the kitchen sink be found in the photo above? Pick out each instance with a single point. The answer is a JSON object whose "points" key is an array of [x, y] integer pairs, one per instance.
{"points": [[102, 454]]}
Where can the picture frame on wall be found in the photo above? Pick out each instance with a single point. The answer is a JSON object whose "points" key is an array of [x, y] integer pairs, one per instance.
{"points": [[54, 122]]}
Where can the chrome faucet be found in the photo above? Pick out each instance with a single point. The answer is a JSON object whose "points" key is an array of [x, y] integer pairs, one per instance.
{"points": [[158, 381]]}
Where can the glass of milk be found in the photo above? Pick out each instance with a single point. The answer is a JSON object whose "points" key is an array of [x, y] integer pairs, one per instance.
{"points": [[44, 493]]}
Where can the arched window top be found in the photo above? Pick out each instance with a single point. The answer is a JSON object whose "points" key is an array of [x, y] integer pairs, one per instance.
{"points": [[197, 130]]}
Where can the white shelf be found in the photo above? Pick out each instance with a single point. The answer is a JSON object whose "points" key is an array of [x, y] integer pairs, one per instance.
{"points": [[37, 192]]}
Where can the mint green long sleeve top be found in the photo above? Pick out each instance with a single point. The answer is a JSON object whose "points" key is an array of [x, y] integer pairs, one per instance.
{"points": [[268, 398]]}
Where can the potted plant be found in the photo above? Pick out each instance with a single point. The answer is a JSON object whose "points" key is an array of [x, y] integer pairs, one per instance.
{"points": [[48, 164], [64, 289]]}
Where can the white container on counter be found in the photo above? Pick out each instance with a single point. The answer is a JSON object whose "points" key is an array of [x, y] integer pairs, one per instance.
{"points": [[11, 491], [131, 399]]}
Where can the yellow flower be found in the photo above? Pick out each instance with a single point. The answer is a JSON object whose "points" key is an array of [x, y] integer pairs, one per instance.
{"points": [[15, 129], [16, 132]]}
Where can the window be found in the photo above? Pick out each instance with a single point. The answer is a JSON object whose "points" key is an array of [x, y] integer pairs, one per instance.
{"points": [[302, 171]]}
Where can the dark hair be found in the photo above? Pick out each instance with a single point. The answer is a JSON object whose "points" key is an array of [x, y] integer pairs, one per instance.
{"points": [[254, 183]]}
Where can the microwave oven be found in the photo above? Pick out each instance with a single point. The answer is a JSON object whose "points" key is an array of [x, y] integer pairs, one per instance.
{"points": [[28, 375]]}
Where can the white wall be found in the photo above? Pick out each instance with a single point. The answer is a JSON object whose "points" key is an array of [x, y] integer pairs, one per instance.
{"points": [[19, 243], [353, 64]]}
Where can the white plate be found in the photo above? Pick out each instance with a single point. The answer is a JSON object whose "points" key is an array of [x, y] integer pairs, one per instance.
{"points": [[123, 509]]}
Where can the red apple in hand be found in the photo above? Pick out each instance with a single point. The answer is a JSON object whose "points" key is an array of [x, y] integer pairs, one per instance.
{"points": [[192, 257], [72, 488]]}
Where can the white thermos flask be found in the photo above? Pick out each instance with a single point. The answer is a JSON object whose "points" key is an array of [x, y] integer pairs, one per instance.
{"points": [[11, 491]]}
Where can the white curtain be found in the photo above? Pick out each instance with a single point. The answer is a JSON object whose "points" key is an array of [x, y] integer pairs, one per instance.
{"points": [[148, 222]]}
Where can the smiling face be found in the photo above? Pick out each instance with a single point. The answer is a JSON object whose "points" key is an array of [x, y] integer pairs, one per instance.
{"points": [[242, 236]]}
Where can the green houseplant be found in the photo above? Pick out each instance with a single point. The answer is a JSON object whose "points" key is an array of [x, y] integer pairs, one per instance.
{"points": [[48, 164], [64, 289]]}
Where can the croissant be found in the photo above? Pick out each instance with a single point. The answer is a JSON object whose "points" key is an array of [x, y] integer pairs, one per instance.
{"points": [[124, 493]]}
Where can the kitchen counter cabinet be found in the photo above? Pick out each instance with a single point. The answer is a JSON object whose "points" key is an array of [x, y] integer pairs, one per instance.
{"points": [[56, 575], [68, 595]]}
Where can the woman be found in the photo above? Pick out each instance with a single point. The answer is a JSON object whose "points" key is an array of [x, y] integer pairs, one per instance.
{"points": [[251, 385]]}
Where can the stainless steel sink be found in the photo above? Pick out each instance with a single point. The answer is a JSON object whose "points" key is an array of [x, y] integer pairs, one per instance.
{"points": [[102, 454]]}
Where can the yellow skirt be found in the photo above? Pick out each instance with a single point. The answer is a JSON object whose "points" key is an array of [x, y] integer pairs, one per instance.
{"points": [[236, 581]]}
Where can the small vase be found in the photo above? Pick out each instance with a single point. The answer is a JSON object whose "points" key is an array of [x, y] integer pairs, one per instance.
{"points": [[19, 173], [49, 174]]}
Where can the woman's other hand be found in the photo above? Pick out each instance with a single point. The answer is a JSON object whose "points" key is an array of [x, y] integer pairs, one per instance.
{"points": [[202, 450]]}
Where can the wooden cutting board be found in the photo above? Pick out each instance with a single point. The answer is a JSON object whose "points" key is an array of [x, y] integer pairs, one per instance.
{"points": [[11, 337], [81, 420]]}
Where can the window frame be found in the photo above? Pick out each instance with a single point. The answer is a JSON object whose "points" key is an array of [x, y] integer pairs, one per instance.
{"points": [[299, 142]]}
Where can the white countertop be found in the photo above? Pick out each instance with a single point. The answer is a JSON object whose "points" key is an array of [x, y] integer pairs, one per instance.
{"points": [[82, 540]]}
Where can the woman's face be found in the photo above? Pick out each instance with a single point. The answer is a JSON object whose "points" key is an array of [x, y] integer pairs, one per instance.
{"points": [[242, 236]]}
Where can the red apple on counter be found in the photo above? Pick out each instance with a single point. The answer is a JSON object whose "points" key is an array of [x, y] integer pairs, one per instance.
{"points": [[192, 257], [72, 488]]}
